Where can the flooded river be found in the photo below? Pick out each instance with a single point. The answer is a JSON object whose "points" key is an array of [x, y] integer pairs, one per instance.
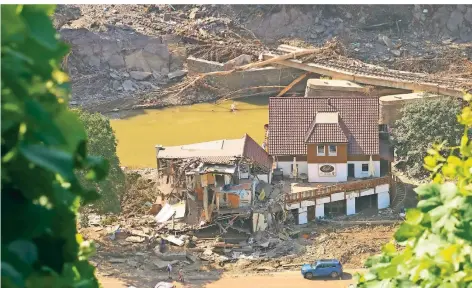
{"points": [[137, 135]]}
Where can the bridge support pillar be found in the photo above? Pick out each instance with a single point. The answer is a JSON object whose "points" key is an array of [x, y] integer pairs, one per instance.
{"points": [[351, 206], [319, 211]]}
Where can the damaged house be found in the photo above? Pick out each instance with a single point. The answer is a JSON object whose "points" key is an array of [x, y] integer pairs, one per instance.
{"points": [[333, 143], [217, 179]]}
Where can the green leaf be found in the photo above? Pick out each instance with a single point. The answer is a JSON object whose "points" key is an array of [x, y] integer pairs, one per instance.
{"points": [[72, 130], [25, 250], [39, 116], [10, 276], [97, 168], [13, 28], [40, 26], [54, 160], [414, 216], [407, 231]]}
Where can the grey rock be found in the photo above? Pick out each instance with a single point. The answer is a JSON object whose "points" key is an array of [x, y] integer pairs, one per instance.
{"points": [[115, 76], [466, 34], [175, 74], [320, 28], [74, 103], [388, 42], [94, 61], [116, 61], [397, 53], [348, 15], [128, 85], [115, 84], [455, 21], [164, 70], [468, 15], [139, 75], [157, 75], [462, 8], [149, 85]]}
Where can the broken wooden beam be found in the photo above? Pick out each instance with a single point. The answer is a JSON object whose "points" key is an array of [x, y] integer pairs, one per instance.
{"points": [[294, 82]]}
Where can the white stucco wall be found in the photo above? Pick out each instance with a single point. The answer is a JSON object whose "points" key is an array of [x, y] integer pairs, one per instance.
{"points": [[302, 215], [351, 206], [341, 173], [319, 210], [383, 200], [286, 167], [358, 168]]}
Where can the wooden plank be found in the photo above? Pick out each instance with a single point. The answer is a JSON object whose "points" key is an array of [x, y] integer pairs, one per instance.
{"points": [[370, 80], [294, 82]]}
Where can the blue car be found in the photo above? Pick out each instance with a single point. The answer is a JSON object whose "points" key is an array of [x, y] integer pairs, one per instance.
{"points": [[323, 268]]}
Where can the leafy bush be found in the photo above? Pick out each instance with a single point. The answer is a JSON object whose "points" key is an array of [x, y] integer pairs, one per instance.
{"points": [[421, 124], [437, 235], [102, 142], [43, 146]]}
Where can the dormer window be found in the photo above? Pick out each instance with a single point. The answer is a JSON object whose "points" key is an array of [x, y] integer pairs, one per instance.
{"points": [[332, 150], [320, 150]]}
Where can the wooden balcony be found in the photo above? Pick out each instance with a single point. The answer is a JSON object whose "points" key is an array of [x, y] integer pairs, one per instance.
{"points": [[325, 191]]}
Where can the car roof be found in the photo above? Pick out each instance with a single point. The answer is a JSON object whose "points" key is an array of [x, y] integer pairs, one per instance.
{"points": [[328, 261]]}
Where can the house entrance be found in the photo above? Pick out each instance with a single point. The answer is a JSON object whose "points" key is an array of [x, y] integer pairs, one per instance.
{"points": [[350, 170]]}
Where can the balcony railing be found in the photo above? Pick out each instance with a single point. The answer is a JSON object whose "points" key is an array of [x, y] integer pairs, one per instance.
{"points": [[325, 191]]}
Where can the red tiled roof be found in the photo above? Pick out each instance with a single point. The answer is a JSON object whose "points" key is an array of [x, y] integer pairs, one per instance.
{"points": [[325, 133], [256, 153], [290, 119]]}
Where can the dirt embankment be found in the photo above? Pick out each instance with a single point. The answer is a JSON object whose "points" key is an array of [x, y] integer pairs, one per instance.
{"points": [[121, 53]]}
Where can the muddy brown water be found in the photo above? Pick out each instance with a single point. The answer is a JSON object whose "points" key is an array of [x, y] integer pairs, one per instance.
{"points": [[138, 134]]}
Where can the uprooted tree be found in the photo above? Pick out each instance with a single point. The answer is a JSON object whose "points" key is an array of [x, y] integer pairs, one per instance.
{"points": [[437, 234], [102, 142], [43, 147], [422, 123]]}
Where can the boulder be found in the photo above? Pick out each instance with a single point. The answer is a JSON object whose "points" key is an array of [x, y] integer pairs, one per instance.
{"points": [[116, 85], [176, 74], [128, 85], [320, 29], [139, 75], [468, 15], [455, 21], [116, 61], [462, 8], [146, 61], [388, 42]]}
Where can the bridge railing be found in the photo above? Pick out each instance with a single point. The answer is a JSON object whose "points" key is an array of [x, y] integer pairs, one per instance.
{"points": [[325, 191]]}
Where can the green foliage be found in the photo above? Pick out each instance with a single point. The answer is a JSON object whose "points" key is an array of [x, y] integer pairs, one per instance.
{"points": [[43, 147], [421, 124], [102, 142], [437, 234]]}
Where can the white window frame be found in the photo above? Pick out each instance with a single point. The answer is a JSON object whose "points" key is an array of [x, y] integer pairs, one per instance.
{"points": [[335, 153], [318, 151], [367, 171]]}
